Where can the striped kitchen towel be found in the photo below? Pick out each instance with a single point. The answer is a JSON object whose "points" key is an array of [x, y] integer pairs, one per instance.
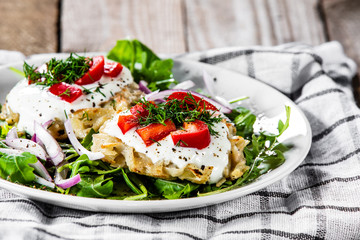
{"points": [[319, 200]]}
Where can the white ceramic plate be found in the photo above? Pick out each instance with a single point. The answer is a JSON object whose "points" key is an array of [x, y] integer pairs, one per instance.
{"points": [[263, 100]]}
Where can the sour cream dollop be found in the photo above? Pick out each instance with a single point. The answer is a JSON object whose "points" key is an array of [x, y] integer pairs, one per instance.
{"points": [[35, 103], [216, 154]]}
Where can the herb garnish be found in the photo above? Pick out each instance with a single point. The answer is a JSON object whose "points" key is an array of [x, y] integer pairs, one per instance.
{"points": [[66, 92], [85, 116], [179, 111], [59, 70], [97, 89]]}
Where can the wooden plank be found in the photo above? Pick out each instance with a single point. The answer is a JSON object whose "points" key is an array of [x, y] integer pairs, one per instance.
{"points": [[342, 21], [213, 23], [29, 26], [93, 25]]}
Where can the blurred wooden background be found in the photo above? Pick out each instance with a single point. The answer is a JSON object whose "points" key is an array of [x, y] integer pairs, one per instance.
{"points": [[176, 26]]}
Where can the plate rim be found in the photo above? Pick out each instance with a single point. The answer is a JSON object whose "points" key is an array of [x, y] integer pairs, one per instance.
{"points": [[154, 205]]}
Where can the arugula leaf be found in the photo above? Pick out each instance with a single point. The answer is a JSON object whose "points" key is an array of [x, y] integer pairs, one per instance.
{"points": [[134, 183], [174, 190], [212, 187], [131, 185], [93, 186], [264, 153], [243, 120], [87, 141], [271, 161], [80, 165], [16, 167], [283, 126], [143, 63]]}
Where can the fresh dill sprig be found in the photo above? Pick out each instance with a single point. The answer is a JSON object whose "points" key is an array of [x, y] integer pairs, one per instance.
{"points": [[58, 70], [179, 111], [85, 116], [179, 143], [97, 89], [66, 92]]}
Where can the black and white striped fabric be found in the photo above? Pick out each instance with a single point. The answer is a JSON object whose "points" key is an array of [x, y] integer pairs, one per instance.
{"points": [[319, 200]]}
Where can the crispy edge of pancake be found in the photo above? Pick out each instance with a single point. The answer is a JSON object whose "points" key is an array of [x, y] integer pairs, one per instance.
{"points": [[118, 154], [84, 119]]}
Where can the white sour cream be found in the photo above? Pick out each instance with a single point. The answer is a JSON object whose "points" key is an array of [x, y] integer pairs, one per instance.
{"points": [[216, 154], [35, 103]]}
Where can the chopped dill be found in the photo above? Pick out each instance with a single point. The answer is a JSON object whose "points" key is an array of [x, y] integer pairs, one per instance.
{"points": [[179, 111], [100, 86], [179, 142], [98, 89], [66, 92], [157, 143], [113, 104], [58, 70], [86, 91], [85, 116]]}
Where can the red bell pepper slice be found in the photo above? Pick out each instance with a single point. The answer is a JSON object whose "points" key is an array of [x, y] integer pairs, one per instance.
{"points": [[139, 110], [156, 131], [65, 91], [195, 135], [127, 122], [112, 69], [95, 72], [183, 95]]}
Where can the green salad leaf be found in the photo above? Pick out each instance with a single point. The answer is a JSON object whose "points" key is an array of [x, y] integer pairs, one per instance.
{"points": [[263, 153], [135, 184], [244, 121], [174, 190], [143, 63], [16, 167], [87, 141], [93, 186]]}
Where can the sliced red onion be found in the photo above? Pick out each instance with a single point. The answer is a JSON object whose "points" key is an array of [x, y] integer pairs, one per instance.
{"points": [[52, 147], [161, 95], [34, 138], [12, 134], [27, 145], [61, 175], [159, 100], [40, 169], [77, 145], [66, 183], [11, 151], [44, 182], [47, 123], [184, 85], [223, 101], [143, 87], [209, 83]]}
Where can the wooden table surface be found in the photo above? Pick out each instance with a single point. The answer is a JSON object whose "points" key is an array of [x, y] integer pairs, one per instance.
{"points": [[176, 26]]}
